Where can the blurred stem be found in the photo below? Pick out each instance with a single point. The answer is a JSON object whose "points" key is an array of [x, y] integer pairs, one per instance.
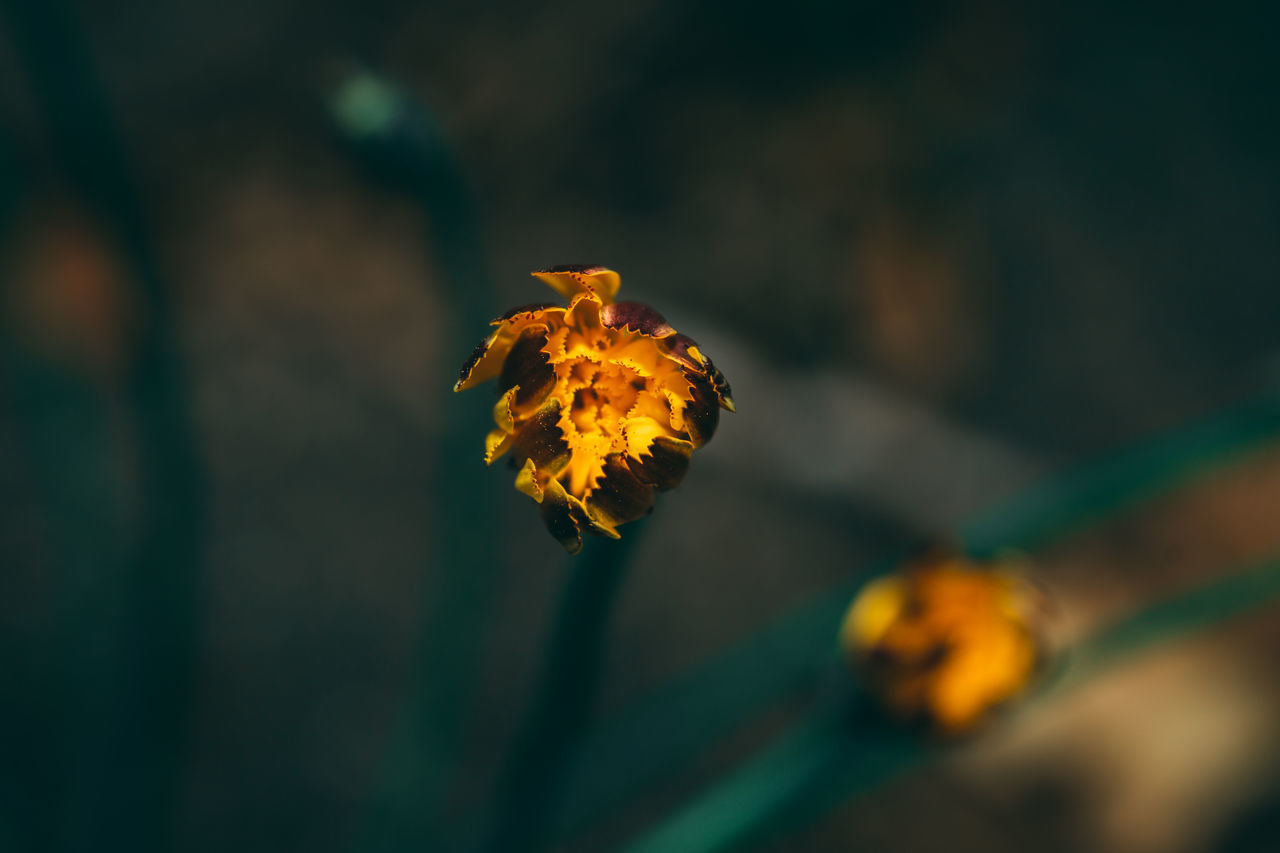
{"points": [[129, 613], [779, 774], [793, 777], [552, 732], [1059, 505], [822, 761], [1171, 620], [402, 145]]}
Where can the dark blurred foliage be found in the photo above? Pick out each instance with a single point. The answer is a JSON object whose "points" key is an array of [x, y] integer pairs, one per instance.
{"points": [[228, 333]]}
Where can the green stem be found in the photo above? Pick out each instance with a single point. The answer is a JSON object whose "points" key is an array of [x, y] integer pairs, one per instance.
{"points": [[779, 774], [1170, 620], [536, 774], [1062, 504]]}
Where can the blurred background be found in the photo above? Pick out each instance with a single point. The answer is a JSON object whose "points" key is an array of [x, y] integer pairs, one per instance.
{"points": [[941, 250]]}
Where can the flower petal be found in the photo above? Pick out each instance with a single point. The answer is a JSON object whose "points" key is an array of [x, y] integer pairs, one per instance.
{"points": [[483, 363], [651, 406], [572, 279], [496, 443], [724, 394], [639, 433], [540, 439], [584, 311], [685, 350], [637, 317], [562, 513], [488, 357], [526, 312], [618, 496], [527, 481], [664, 464], [702, 413], [504, 410], [528, 368]]}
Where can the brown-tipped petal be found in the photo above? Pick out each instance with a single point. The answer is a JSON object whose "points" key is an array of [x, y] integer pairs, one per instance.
{"points": [[685, 350], [584, 311], [572, 279], [637, 317], [503, 410], [528, 368], [496, 443], [702, 413], [527, 481], [482, 364], [561, 516], [721, 386], [664, 464], [526, 312], [539, 439], [487, 360], [619, 495], [638, 434]]}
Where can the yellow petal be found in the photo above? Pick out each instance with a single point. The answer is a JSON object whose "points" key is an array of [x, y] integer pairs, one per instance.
{"points": [[876, 608], [563, 514], [496, 443], [640, 433], [503, 410], [487, 359], [618, 495], [527, 481], [572, 279]]}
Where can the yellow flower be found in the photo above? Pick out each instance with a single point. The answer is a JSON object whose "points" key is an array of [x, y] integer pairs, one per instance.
{"points": [[945, 641], [602, 402]]}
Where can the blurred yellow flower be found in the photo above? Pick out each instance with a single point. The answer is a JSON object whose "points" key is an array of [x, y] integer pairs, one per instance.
{"points": [[601, 403], [945, 640]]}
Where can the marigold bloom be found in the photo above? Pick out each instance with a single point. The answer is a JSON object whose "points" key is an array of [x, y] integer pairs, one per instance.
{"points": [[945, 641], [601, 403]]}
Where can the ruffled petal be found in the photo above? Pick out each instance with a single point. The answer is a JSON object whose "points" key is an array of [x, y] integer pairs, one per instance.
{"points": [[527, 312], [528, 368], [527, 481], [560, 513], [684, 350], [664, 464], [618, 496], [556, 344], [702, 413], [637, 317], [584, 311], [639, 433], [540, 440], [652, 406], [504, 410], [496, 443], [724, 394], [487, 359], [572, 279], [641, 355], [484, 363]]}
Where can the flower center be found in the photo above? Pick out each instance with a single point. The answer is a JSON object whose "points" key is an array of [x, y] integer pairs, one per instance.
{"points": [[601, 395]]}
